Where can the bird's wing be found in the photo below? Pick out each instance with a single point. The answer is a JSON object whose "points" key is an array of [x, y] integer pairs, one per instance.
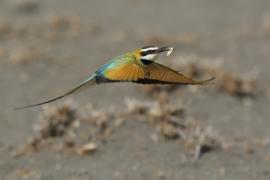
{"points": [[87, 83], [157, 73], [123, 69]]}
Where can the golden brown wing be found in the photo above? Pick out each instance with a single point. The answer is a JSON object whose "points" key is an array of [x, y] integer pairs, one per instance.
{"points": [[125, 72], [157, 73]]}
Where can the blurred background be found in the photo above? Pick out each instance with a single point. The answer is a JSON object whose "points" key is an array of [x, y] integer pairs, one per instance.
{"points": [[127, 131]]}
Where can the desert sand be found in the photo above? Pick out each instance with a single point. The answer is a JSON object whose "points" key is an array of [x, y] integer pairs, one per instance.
{"points": [[125, 130]]}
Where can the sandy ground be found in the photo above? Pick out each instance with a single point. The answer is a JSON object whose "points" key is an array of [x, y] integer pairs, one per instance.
{"points": [[48, 46]]}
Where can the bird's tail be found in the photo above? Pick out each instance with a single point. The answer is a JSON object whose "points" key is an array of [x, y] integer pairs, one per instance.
{"points": [[91, 81]]}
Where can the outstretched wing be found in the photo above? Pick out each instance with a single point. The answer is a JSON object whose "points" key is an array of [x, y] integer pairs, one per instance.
{"points": [[156, 73], [125, 72], [87, 83]]}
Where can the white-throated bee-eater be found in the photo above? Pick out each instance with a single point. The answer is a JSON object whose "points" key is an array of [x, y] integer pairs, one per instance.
{"points": [[137, 66]]}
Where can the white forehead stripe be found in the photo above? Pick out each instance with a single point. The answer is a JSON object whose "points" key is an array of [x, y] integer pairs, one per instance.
{"points": [[149, 49]]}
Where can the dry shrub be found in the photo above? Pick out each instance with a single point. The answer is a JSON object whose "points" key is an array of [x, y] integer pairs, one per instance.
{"points": [[54, 121], [172, 123], [68, 128]]}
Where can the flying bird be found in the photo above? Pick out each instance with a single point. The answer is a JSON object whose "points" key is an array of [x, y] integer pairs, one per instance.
{"points": [[137, 66]]}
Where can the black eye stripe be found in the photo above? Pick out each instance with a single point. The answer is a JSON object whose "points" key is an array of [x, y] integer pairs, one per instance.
{"points": [[146, 62], [145, 53]]}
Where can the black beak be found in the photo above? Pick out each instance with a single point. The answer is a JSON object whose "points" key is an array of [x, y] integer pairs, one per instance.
{"points": [[163, 49]]}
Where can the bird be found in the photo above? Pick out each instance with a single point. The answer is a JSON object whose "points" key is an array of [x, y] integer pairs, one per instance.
{"points": [[137, 66]]}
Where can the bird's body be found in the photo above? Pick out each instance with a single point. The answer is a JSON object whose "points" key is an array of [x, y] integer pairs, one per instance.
{"points": [[137, 66]]}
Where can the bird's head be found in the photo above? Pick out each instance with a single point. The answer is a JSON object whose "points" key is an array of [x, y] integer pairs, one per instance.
{"points": [[149, 54]]}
